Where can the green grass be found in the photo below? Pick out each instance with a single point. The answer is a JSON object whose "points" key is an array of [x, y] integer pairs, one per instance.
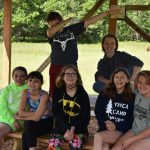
{"points": [[31, 55]]}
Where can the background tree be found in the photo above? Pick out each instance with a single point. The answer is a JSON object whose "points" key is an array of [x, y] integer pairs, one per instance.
{"points": [[29, 19]]}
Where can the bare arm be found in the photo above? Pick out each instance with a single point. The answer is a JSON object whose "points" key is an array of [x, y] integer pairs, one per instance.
{"points": [[23, 104], [96, 18], [143, 134], [136, 70], [52, 30], [40, 111]]}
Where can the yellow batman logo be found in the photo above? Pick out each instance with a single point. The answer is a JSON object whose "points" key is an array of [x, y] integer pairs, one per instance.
{"points": [[70, 105]]}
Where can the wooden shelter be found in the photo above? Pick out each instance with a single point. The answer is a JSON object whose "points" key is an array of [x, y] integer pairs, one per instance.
{"points": [[6, 66]]}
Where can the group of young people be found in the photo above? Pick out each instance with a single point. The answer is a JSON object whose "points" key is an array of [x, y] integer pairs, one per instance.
{"points": [[122, 107]]}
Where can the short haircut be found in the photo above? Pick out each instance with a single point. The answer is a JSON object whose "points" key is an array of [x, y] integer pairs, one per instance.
{"points": [[53, 16], [19, 68], [35, 75], [144, 73]]}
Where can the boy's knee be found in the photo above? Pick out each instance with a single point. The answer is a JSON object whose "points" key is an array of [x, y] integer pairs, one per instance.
{"points": [[98, 86]]}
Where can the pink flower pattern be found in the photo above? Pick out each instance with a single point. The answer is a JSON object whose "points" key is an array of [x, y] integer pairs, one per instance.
{"points": [[56, 141], [76, 143]]}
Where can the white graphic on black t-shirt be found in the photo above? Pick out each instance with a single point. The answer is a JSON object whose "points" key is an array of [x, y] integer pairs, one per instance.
{"points": [[63, 40], [116, 111], [109, 107]]}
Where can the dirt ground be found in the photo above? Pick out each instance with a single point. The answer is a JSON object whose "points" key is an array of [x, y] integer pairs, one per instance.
{"points": [[92, 129]]}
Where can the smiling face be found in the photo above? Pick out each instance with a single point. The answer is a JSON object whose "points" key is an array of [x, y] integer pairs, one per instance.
{"points": [[120, 80], [19, 77], [34, 84], [109, 46], [70, 77], [143, 87]]}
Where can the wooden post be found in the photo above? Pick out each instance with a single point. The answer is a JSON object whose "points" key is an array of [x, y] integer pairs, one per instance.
{"points": [[6, 65], [112, 21]]}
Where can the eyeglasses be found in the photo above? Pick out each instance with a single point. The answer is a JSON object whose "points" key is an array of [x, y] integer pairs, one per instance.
{"points": [[70, 74]]}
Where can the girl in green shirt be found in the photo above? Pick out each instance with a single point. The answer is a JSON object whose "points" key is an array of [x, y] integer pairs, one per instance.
{"points": [[9, 102]]}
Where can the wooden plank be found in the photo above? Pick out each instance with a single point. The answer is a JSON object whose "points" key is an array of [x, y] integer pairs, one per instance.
{"points": [[17, 134], [6, 64], [121, 14], [137, 28], [44, 64], [93, 9], [138, 7], [112, 21], [45, 139], [17, 144]]}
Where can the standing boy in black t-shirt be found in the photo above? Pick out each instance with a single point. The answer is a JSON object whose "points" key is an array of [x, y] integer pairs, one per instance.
{"points": [[63, 41]]}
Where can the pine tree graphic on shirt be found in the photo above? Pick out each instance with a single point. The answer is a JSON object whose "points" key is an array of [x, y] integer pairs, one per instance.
{"points": [[109, 108]]}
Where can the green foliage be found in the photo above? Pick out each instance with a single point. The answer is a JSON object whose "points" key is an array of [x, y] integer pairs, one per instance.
{"points": [[29, 19]]}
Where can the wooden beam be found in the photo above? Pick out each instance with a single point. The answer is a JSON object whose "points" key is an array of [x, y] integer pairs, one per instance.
{"points": [[137, 28], [121, 14], [138, 7], [112, 21], [93, 9], [6, 67], [44, 64]]}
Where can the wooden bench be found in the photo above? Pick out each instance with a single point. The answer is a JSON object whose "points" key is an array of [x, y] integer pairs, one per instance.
{"points": [[17, 136]]}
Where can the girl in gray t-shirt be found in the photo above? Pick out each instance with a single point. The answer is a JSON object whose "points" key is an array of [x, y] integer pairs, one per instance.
{"points": [[138, 138]]}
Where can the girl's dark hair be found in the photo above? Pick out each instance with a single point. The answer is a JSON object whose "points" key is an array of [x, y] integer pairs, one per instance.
{"points": [[111, 91], [146, 74], [53, 16], [35, 75], [60, 81], [20, 68], [107, 36]]}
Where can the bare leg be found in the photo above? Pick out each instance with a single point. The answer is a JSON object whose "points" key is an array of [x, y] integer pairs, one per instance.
{"points": [[109, 137], [105, 146], [143, 144], [32, 148], [4, 129], [97, 142], [118, 144]]}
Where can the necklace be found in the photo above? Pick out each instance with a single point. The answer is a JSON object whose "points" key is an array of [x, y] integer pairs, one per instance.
{"points": [[70, 87]]}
